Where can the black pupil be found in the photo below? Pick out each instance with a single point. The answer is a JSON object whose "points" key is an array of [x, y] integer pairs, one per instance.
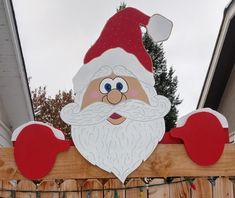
{"points": [[119, 86], [107, 87]]}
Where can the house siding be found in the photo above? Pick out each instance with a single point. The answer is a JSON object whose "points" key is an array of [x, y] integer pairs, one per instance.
{"points": [[227, 103], [5, 138], [15, 102]]}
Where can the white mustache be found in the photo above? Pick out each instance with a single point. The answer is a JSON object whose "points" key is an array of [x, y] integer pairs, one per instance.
{"points": [[98, 112]]}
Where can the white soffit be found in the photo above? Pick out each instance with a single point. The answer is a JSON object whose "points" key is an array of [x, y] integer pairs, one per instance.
{"points": [[229, 15]]}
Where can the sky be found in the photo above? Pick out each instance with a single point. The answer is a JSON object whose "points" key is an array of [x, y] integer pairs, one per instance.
{"points": [[56, 34]]}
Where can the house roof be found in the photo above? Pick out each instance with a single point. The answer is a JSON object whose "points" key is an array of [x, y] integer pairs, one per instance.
{"points": [[15, 99], [222, 62]]}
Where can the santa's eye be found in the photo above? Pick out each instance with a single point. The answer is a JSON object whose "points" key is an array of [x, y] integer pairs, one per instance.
{"points": [[106, 85], [120, 84]]}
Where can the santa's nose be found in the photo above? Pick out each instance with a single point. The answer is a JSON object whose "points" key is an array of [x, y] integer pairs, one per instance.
{"points": [[114, 97]]}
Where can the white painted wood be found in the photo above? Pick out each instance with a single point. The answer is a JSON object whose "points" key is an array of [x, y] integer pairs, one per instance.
{"points": [[122, 146], [111, 59], [159, 28], [117, 148], [223, 121], [59, 134]]}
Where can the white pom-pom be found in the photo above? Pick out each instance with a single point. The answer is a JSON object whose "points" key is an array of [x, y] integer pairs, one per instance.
{"points": [[159, 28]]}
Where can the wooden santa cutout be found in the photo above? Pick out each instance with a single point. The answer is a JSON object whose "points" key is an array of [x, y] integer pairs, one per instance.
{"points": [[118, 118]]}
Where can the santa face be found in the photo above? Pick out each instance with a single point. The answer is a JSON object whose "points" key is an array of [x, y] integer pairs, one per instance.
{"points": [[113, 90], [117, 123]]}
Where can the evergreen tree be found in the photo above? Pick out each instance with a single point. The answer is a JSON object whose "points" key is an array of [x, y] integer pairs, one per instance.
{"points": [[165, 81], [121, 7]]}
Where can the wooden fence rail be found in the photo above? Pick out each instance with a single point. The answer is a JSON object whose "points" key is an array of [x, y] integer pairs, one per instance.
{"points": [[166, 161], [74, 177]]}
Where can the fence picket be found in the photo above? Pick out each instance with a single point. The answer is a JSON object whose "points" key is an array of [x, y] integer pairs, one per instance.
{"points": [[48, 186], [69, 185], [113, 184], [92, 184], [5, 184], [203, 188], [135, 192], [27, 186], [159, 191], [181, 189], [223, 188]]}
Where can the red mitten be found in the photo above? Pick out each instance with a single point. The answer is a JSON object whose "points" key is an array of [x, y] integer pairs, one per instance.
{"points": [[168, 139], [36, 147], [204, 133]]}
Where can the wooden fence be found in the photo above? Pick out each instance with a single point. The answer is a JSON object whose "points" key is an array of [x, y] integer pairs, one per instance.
{"points": [[167, 160], [70, 177], [222, 187]]}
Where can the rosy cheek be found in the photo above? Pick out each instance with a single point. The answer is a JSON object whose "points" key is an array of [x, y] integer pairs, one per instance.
{"points": [[133, 93], [94, 95]]}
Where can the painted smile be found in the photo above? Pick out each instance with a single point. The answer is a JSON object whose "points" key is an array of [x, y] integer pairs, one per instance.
{"points": [[115, 116]]}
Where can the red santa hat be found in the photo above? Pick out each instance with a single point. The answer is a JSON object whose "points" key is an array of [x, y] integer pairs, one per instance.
{"points": [[120, 43]]}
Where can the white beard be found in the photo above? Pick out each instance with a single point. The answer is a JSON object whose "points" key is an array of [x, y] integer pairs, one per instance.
{"points": [[119, 149]]}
